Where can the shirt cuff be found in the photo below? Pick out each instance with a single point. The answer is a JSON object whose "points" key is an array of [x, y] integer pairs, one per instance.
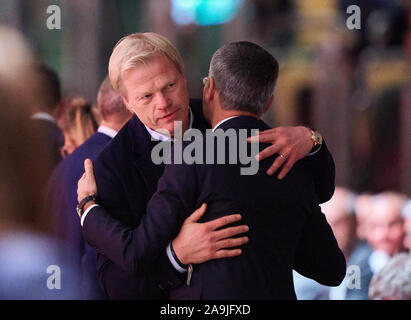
{"points": [[315, 151], [173, 261], [86, 212]]}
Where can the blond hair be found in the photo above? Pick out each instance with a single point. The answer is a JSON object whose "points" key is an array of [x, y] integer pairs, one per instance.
{"points": [[139, 48], [77, 116]]}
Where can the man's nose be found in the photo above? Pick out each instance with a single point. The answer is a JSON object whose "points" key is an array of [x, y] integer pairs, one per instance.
{"points": [[162, 101]]}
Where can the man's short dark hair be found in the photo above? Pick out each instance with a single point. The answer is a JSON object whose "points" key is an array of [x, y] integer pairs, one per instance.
{"points": [[245, 75], [109, 101], [50, 87]]}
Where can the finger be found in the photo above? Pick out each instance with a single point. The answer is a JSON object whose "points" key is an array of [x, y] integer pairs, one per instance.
{"points": [[226, 253], [81, 179], [278, 162], [217, 223], [263, 136], [196, 215], [272, 131], [256, 133], [229, 232], [286, 168], [267, 152], [229, 243], [88, 167]]}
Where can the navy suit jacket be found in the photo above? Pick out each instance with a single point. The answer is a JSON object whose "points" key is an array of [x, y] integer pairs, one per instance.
{"points": [[62, 202], [52, 138], [126, 179], [287, 229]]}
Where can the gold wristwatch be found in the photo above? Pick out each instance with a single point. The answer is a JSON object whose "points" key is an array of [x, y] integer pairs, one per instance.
{"points": [[317, 140]]}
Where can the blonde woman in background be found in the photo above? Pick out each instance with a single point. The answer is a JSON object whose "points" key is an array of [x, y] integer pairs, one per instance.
{"points": [[78, 120]]}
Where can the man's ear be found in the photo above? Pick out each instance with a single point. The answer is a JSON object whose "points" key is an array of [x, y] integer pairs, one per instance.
{"points": [[209, 89], [125, 101], [270, 102]]}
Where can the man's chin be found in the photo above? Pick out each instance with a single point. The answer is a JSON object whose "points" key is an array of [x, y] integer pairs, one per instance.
{"points": [[169, 128]]}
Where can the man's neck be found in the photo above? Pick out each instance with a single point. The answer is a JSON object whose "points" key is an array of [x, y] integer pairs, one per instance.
{"points": [[222, 114], [112, 125]]}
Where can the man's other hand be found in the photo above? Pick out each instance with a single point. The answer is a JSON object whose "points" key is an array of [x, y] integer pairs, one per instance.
{"points": [[87, 186], [200, 242], [291, 143]]}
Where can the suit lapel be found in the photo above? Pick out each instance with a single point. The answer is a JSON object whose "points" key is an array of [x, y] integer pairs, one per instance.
{"points": [[141, 148]]}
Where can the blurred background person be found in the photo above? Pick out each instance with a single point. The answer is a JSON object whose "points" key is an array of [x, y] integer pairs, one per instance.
{"points": [[78, 120], [407, 238], [384, 231], [393, 282], [49, 89], [406, 214], [362, 208], [27, 249], [62, 188], [339, 212]]}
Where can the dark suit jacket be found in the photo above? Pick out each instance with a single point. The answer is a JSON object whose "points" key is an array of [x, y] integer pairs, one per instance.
{"points": [[126, 179], [62, 201], [117, 241], [52, 137]]}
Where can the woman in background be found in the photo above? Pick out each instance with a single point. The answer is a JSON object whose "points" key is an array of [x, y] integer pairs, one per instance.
{"points": [[78, 120]]}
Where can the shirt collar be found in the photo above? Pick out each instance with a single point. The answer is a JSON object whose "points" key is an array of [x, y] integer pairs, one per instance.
{"points": [[162, 137], [222, 121], [43, 116], [107, 131]]}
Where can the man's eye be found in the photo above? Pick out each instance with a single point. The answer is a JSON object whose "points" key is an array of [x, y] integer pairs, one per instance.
{"points": [[171, 85], [147, 96]]}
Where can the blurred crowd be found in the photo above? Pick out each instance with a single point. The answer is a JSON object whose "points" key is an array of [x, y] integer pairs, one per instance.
{"points": [[374, 233]]}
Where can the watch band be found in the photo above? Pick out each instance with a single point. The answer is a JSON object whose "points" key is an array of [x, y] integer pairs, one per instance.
{"points": [[184, 266], [188, 267], [82, 203]]}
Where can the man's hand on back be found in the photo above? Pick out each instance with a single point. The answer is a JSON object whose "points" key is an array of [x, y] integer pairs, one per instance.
{"points": [[291, 143], [200, 242]]}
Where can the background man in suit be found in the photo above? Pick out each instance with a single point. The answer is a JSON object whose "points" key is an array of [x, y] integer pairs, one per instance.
{"points": [[149, 74], [62, 188], [384, 231], [287, 227], [50, 89]]}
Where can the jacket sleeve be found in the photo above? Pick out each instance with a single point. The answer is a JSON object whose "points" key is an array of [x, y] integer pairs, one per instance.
{"points": [[322, 168], [318, 255], [110, 237], [138, 250]]}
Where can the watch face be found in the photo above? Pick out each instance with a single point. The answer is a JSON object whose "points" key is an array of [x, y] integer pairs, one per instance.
{"points": [[318, 138]]}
